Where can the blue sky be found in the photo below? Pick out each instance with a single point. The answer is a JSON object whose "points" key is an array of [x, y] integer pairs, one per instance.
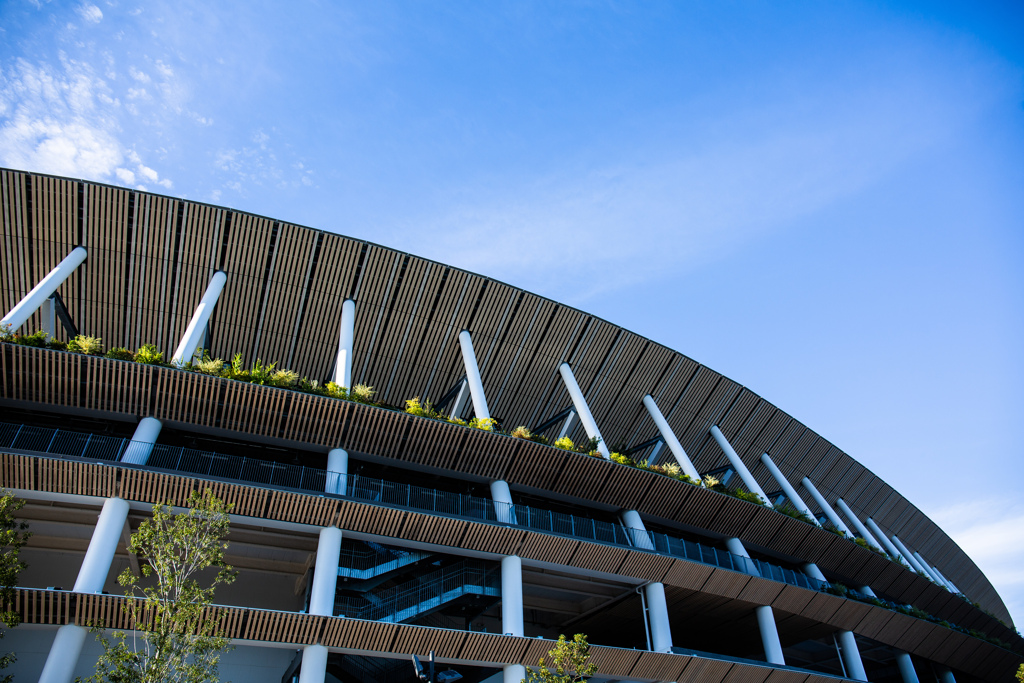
{"points": [[821, 200]]}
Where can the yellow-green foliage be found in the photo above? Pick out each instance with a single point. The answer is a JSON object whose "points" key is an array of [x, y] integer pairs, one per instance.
{"points": [[362, 393], [521, 433], [485, 423], [91, 346], [565, 443]]}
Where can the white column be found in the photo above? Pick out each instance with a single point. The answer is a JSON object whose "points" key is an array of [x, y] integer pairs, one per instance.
{"points": [[459, 404], [343, 362], [851, 656], [142, 441], [503, 506], [337, 471], [48, 311], [788, 489], [928, 569], [566, 426], [814, 572], [640, 538], [769, 635], [906, 667], [31, 302], [476, 385], [314, 664], [102, 546], [513, 673], [837, 522], [945, 580], [325, 574], [907, 555], [886, 543], [866, 590], [946, 676], [737, 464], [64, 654], [669, 437], [735, 546], [657, 612], [582, 409], [855, 520], [512, 596], [197, 325]]}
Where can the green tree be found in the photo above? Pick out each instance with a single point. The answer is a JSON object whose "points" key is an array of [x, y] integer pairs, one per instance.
{"points": [[1020, 674], [12, 537], [172, 642], [570, 660]]}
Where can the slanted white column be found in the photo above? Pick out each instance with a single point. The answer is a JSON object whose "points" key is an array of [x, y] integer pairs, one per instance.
{"points": [[476, 385], [459, 404], [946, 581], [566, 426], [512, 596], [582, 409], [908, 556], [669, 437], [866, 590], [928, 569], [814, 572], [946, 676], [337, 471], [314, 664], [64, 653], [197, 325], [504, 509], [886, 543], [735, 546], [769, 635], [855, 520], [142, 441], [102, 546], [788, 489], [851, 656], [325, 574], [837, 522], [906, 667], [343, 361], [513, 673], [737, 464], [31, 302], [631, 520]]}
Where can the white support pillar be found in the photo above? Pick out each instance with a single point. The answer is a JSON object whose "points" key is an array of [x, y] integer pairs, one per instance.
{"points": [[928, 569], [197, 325], [735, 546], [325, 574], [866, 590], [834, 518], [769, 635], [657, 613], [31, 302], [906, 667], [64, 654], [886, 543], [945, 675], [459, 404], [639, 537], [48, 312], [513, 673], [814, 572], [314, 664], [337, 471], [946, 581], [566, 426], [141, 445], [504, 508], [737, 464], [669, 437], [788, 489], [476, 385], [102, 546], [512, 596], [343, 361], [908, 556], [582, 409], [851, 656], [859, 525]]}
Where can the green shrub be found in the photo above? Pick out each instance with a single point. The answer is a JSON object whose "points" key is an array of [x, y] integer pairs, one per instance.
{"points": [[565, 443], [362, 393], [749, 497], [285, 379], [90, 346], [209, 366], [521, 433], [56, 345], [625, 460], [120, 353], [260, 373], [148, 354], [335, 390], [35, 340], [456, 421], [485, 423], [540, 438], [413, 406], [791, 511]]}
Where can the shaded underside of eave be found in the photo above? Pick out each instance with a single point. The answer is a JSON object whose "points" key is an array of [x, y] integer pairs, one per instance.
{"points": [[151, 257]]}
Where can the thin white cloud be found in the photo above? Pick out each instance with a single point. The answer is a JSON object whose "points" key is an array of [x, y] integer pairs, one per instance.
{"points": [[90, 13]]}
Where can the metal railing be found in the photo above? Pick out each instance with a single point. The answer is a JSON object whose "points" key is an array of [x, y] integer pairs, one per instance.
{"points": [[379, 491]]}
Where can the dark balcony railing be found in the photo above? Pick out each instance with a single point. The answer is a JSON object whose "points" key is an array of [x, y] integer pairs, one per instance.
{"points": [[278, 475]]}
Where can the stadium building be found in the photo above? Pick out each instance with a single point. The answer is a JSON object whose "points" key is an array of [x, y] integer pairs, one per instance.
{"points": [[364, 534]]}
